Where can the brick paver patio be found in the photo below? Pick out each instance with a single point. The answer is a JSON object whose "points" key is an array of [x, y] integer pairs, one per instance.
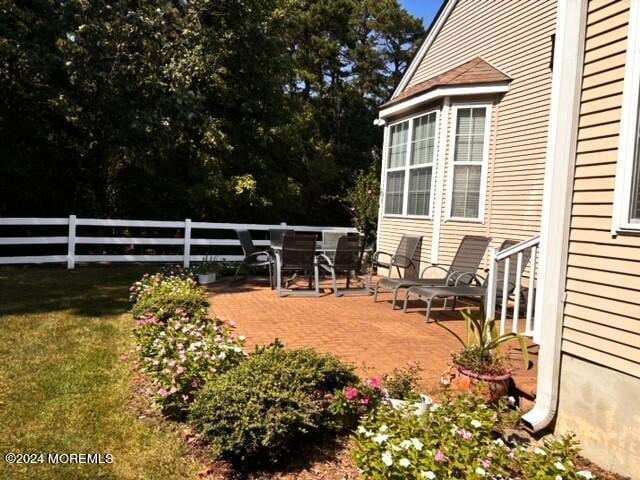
{"points": [[370, 336]]}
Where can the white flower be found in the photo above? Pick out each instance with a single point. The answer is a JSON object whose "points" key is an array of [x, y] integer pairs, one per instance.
{"points": [[405, 444], [404, 462], [585, 474], [428, 474], [481, 471], [560, 466], [476, 424], [558, 477], [380, 438], [386, 459], [222, 355], [242, 338], [539, 451], [417, 444], [365, 432], [383, 428], [499, 442]]}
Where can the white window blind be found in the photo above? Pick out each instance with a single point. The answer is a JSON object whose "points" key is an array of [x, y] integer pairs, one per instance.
{"points": [[468, 162]]}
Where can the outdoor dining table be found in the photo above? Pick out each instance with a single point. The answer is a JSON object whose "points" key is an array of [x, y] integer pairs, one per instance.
{"points": [[277, 254]]}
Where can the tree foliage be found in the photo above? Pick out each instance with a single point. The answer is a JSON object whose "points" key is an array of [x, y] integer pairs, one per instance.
{"points": [[227, 109]]}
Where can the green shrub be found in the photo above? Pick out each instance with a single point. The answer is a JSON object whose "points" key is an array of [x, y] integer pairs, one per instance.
{"points": [[160, 296], [256, 411], [460, 438], [182, 354]]}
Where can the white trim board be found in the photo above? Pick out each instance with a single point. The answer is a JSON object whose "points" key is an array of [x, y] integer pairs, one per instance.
{"points": [[422, 51], [440, 180], [451, 91], [628, 129]]}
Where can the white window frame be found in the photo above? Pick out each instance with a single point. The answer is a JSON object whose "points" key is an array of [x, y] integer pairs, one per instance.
{"points": [[621, 221], [485, 161], [408, 167]]}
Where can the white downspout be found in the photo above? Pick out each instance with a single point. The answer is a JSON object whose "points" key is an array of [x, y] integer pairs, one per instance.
{"points": [[556, 208]]}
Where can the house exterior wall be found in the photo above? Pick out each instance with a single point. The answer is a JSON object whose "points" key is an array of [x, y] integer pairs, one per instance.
{"points": [[514, 37], [600, 377]]}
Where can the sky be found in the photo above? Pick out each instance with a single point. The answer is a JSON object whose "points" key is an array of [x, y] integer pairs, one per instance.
{"points": [[422, 8]]}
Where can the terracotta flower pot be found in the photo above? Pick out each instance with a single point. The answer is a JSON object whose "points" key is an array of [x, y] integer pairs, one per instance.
{"points": [[492, 387]]}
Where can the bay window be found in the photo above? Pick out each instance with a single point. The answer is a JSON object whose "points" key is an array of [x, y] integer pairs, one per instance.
{"points": [[410, 158]]}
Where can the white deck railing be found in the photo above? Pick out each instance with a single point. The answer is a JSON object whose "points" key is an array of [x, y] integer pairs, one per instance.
{"points": [[183, 242], [525, 253]]}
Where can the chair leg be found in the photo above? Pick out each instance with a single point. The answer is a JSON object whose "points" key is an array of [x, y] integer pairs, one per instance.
{"points": [[317, 278], [395, 298], [406, 301], [375, 293], [235, 276], [428, 314], [270, 276]]}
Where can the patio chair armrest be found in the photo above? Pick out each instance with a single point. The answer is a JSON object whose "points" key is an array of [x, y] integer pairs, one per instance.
{"points": [[474, 276], [397, 256], [257, 254], [374, 257], [433, 265], [324, 261]]}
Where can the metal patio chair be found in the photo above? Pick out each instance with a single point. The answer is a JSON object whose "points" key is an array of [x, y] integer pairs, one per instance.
{"points": [[467, 259], [253, 258], [346, 259], [468, 285], [330, 242], [298, 254], [276, 234], [403, 258]]}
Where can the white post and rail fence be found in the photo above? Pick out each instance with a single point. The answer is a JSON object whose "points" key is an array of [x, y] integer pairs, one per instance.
{"points": [[180, 237]]}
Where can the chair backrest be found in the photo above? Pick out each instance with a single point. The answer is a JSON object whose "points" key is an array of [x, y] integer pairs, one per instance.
{"points": [[298, 251], [406, 251], [330, 239], [347, 256], [513, 268], [470, 253], [246, 242], [276, 234]]}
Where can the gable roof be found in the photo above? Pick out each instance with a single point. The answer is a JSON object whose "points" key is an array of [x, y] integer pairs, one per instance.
{"points": [[473, 72]]}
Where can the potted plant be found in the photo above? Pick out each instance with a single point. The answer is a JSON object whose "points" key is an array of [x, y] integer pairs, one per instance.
{"points": [[479, 363], [400, 389], [207, 271]]}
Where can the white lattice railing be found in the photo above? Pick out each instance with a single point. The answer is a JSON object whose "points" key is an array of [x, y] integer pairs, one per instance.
{"points": [[508, 289], [182, 239]]}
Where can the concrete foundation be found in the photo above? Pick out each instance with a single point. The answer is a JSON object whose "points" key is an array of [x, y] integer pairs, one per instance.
{"points": [[602, 406]]}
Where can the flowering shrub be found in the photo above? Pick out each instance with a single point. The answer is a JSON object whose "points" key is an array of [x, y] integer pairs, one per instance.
{"points": [[161, 295], [182, 354], [458, 439], [258, 410]]}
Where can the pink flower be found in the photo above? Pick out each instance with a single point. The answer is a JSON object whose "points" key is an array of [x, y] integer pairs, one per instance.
{"points": [[375, 382], [465, 434], [439, 456], [185, 398], [173, 390], [364, 401], [486, 464], [352, 393], [124, 357], [180, 370], [163, 393]]}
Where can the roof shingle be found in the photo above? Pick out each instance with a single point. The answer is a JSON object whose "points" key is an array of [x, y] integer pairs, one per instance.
{"points": [[473, 72]]}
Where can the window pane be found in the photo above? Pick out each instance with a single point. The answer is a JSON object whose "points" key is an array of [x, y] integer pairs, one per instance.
{"points": [[424, 135], [419, 191], [465, 201], [394, 193], [635, 186], [470, 126], [398, 145]]}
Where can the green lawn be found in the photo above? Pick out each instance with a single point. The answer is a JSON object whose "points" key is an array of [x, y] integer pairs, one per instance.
{"points": [[63, 388]]}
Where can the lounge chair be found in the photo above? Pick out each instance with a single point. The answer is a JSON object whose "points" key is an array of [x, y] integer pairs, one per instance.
{"points": [[346, 259], [299, 254], [462, 287], [467, 259], [253, 258], [403, 258]]}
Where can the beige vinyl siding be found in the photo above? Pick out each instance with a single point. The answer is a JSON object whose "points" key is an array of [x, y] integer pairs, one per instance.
{"points": [[393, 228], [514, 37], [602, 309]]}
